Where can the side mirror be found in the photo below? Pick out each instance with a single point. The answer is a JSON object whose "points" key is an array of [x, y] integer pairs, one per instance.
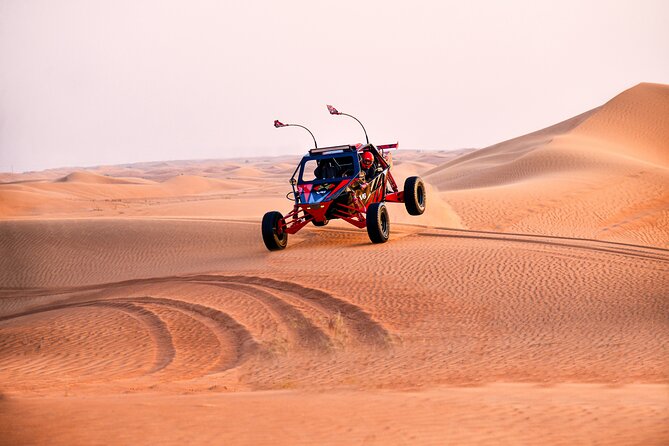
{"points": [[293, 181], [278, 124]]}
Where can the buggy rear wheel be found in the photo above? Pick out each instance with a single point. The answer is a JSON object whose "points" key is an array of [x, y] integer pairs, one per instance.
{"points": [[378, 223], [414, 195], [273, 233]]}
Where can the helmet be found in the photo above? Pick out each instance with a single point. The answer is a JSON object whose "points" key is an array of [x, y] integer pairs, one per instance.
{"points": [[367, 160]]}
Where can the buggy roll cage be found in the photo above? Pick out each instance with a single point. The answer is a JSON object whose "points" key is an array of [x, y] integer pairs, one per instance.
{"points": [[383, 160], [320, 153]]}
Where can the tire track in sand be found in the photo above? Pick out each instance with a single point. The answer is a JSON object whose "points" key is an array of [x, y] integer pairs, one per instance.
{"points": [[159, 331], [155, 326], [306, 315], [367, 330], [304, 332], [244, 343], [602, 246], [363, 326]]}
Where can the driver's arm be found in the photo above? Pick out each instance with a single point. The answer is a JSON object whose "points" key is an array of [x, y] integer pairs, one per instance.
{"points": [[371, 172]]}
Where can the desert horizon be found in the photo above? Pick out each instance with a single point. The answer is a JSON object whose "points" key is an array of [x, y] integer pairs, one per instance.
{"points": [[527, 305]]}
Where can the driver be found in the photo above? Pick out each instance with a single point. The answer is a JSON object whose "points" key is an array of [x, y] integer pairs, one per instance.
{"points": [[368, 166], [367, 173]]}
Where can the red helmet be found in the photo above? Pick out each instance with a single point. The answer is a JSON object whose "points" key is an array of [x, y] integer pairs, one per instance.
{"points": [[367, 160]]}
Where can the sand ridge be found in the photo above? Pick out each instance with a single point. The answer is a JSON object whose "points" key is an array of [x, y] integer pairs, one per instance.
{"points": [[602, 175]]}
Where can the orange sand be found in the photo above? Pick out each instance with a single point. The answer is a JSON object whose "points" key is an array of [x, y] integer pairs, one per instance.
{"points": [[529, 305]]}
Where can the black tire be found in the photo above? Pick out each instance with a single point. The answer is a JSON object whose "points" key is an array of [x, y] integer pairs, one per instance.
{"points": [[378, 223], [320, 223], [275, 239], [414, 195]]}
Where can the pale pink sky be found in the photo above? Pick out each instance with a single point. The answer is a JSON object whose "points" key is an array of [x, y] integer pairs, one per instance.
{"points": [[105, 82]]}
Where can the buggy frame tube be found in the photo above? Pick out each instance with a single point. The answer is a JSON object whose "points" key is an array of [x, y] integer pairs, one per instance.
{"points": [[293, 181], [363, 127], [293, 222], [312, 135]]}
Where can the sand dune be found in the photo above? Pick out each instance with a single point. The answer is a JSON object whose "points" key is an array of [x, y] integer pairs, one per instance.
{"points": [[92, 178], [600, 175], [527, 306], [193, 184], [81, 192], [634, 123]]}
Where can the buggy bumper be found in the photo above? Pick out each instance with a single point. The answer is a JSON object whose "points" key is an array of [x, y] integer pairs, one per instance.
{"points": [[316, 210]]}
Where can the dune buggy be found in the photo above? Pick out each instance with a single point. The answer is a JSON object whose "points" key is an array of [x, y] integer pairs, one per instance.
{"points": [[330, 183]]}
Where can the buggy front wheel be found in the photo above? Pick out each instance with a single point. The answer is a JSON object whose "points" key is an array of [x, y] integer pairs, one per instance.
{"points": [[414, 195], [378, 223], [273, 231]]}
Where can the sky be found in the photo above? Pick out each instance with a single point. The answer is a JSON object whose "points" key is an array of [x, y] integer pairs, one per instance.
{"points": [[85, 83]]}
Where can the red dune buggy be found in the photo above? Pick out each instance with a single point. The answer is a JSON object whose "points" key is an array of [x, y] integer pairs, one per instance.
{"points": [[331, 182]]}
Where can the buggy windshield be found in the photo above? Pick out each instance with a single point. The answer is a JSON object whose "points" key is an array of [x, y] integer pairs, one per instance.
{"points": [[330, 167]]}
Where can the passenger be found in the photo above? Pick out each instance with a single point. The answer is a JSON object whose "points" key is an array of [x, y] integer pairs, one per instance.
{"points": [[326, 169]]}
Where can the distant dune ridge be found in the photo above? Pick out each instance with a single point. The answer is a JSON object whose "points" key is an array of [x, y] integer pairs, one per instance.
{"points": [[528, 305], [92, 178], [603, 174]]}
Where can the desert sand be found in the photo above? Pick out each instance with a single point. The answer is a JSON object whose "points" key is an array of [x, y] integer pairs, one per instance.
{"points": [[528, 305]]}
